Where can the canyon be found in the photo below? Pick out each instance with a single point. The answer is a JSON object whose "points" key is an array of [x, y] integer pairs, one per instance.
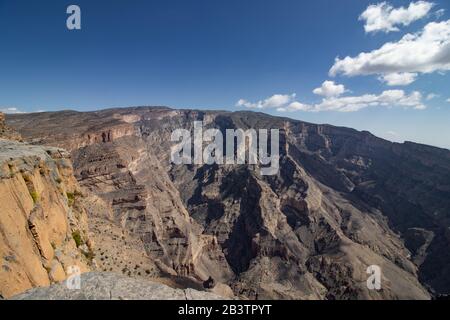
{"points": [[342, 200]]}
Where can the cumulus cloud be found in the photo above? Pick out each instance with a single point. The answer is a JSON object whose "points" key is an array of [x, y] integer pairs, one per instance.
{"points": [[388, 98], [398, 79], [294, 106], [424, 52], [384, 17], [275, 101], [10, 110], [330, 89]]}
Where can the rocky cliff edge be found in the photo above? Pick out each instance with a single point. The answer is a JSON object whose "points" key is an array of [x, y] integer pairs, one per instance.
{"points": [[43, 226]]}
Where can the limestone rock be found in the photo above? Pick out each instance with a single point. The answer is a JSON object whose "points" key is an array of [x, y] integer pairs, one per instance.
{"points": [[39, 215], [110, 286], [6, 132]]}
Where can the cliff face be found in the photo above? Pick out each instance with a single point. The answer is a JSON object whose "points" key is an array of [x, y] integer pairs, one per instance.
{"points": [[6, 132], [43, 227], [343, 200]]}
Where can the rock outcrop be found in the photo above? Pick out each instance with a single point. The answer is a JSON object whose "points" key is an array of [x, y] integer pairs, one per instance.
{"points": [[6, 132], [110, 286], [43, 226], [342, 201]]}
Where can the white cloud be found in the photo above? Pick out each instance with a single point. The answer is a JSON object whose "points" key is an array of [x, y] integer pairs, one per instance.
{"points": [[10, 110], [388, 98], [330, 89], [386, 18], [275, 101], [424, 52], [432, 96], [392, 133], [398, 79], [294, 106], [439, 13], [448, 100]]}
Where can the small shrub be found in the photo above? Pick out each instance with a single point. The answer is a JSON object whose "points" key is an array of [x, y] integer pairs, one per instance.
{"points": [[11, 170], [90, 255], [78, 194], [76, 235], [71, 198], [35, 196]]}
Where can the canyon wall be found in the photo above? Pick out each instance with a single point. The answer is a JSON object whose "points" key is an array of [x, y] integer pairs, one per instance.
{"points": [[343, 200]]}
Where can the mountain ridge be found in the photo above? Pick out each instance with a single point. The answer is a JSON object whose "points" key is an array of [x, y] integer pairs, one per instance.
{"points": [[200, 110]]}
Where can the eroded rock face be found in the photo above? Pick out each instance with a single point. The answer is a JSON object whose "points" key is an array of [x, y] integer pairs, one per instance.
{"points": [[6, 132], [343, 200], [110, 286], [42, 223]]}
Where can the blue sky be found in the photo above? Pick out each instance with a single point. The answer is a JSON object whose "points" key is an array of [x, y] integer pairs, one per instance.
{"points": [[212, 54]]}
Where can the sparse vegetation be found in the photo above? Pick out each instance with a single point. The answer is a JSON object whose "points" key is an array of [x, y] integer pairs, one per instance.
{"points": [[11, 170], [76, 235], [34, 195], [70, 198], [78, 194], [90, 255]]}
